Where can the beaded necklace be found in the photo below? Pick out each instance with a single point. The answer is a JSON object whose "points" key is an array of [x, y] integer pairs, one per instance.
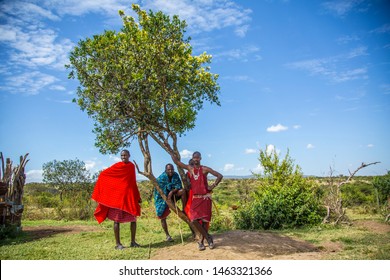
{"points": [[196, 176]]}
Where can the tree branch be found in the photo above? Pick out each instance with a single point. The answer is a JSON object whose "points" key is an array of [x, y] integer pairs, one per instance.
{"points": [[334, 200], [363, 165]]}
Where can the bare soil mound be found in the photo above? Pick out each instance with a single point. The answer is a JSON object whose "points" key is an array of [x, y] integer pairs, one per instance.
{"points": [[243, 245]]}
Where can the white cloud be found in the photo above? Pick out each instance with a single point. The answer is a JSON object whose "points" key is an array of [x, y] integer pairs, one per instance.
{"points": [[29, 83], [90, 164], [241, 30], [359, 51], [79, 8], [277, 128], [239, 78], [385, 88], [242, 54], [258, 169], [370, 145], [38, 47], [58, 87], [31, 44], [250, 151], [64, 101], [352, 74], [205, 15], [310, 146], [270, 149], [346, 39], [228, 167], [333, 68], [34, 176], [297, 126], [231, 168], [186, 154], [27, 12], [382, 29], [341, 7], [115, 158]]}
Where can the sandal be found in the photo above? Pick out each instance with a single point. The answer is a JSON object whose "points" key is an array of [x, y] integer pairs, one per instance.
{"points": [[119, 247], [169, 239], [201, 246], [210, 242], [134, 244]]}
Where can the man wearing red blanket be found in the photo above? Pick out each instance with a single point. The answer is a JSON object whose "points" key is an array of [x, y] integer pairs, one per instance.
{"points": [[200, 207], [118, 197]]}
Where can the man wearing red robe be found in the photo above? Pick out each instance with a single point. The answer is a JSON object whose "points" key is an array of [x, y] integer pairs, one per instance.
{"points": [[118, 197], [200, 208]]}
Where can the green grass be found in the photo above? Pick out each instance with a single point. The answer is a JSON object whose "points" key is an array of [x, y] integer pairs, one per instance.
{"points": [[92, 245], [356, 243]]}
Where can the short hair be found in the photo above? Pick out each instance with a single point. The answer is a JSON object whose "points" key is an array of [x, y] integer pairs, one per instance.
{"points": [[196, 153], [126, 151], [169, 164]]}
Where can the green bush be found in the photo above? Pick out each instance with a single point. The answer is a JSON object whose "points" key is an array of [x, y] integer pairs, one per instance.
{"points": [[222, 221], [284, 197], [46, 200], [76, 205], [358, 194], [382, 185], [8, 231]]}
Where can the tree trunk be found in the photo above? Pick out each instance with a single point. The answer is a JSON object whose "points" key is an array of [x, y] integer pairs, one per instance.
{"points": [[148, 173]]}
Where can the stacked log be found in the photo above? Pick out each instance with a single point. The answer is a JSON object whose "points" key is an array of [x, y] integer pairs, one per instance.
{"points": [[12, 181]]}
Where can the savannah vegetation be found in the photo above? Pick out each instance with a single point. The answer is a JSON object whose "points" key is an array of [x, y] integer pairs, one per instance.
{"points": [[280, 200], [144, 84]]}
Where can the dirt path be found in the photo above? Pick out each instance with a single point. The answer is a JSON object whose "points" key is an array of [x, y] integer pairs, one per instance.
{"points": [[47, 231], [243, 245]]}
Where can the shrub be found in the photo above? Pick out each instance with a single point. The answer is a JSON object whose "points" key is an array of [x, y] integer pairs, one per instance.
{"points": [[358, 194], [222, 221], [382, 185], [76, 205], [46, 200], [8, 231], [284, 197]]}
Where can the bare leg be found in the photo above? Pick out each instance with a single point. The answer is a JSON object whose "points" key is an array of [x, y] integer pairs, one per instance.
{"points": [[133, 230], [165, 228], [117, 236], [210, 241], [204, 233], [193, 233], [183, 196]]}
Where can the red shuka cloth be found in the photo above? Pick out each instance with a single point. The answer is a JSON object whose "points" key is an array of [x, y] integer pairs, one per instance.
{"points": [[117, 188], [200, 208], [189, 200]]}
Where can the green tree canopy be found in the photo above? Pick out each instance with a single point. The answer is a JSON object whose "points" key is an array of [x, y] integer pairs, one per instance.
{"points": [[66, 175], [143, 79]]}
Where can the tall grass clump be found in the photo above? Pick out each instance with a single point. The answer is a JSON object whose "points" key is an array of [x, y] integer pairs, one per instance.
{"points": [[284, 197]]}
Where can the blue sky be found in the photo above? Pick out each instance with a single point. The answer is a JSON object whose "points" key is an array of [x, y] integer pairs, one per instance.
{"points": [[309, 76]]}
